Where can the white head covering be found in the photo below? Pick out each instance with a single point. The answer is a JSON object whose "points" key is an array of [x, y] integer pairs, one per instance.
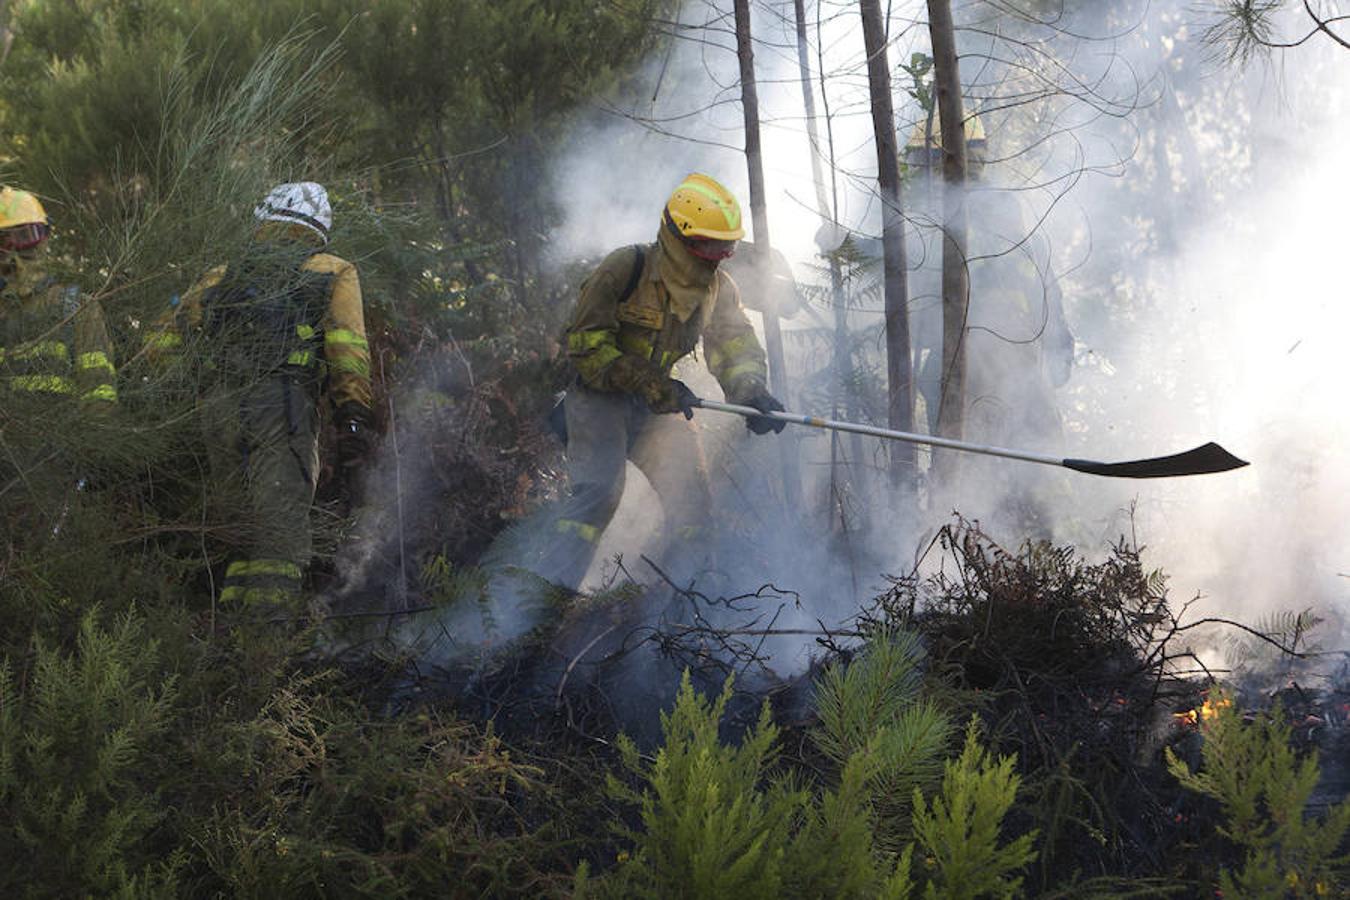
{"points": [[302, 202]]}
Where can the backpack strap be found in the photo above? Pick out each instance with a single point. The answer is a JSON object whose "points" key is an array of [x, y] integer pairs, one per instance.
{"points": [[639, 259]]}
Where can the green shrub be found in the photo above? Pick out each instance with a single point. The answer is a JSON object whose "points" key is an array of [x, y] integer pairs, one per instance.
{"points": [[715, 820], [709, 829], [79, 735], [1263, 790], [873, 708], [959, 832]]}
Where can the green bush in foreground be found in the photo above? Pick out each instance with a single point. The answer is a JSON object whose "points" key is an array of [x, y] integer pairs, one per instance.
{"points": [[79, 733], [959, 832], [718, 820], [1263, 790]]}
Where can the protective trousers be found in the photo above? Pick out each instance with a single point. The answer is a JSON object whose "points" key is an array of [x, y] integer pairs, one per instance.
{"points": [[264, 441], [605, 430]]}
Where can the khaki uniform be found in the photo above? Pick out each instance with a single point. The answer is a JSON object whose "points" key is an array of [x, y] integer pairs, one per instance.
{"points": [[53, 343], [623, 349], [617, 346], [56, 371], [266, 361]]}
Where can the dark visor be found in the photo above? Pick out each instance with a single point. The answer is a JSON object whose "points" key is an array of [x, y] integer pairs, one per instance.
{"points": [[23, 237]]}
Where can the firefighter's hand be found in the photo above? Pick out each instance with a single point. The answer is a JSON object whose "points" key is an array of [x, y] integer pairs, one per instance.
{"points": [[355, 438], [764, 402], [672, 396]]}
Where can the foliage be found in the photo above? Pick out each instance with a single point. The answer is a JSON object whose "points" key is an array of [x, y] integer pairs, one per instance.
{"points": [[1241, 31], [407, 808], [79, 734], [959, 832], [716, 821], [871, 711], [1263, 789], [245, 776], [886, 742], [1066, 660], [708, 830]]}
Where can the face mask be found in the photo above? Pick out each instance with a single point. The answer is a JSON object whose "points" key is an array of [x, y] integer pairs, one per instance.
{"points": [[712, 251]]}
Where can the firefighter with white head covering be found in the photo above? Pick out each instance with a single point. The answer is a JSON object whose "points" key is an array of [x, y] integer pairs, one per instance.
{"points": [[276, 332]]}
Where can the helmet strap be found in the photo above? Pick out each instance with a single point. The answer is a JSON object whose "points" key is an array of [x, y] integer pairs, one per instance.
{"points": [[671, 226]]}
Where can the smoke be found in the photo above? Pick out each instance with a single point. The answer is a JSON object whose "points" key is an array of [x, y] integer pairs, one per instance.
{"points": [[1252, 336], [1222, 325], [1204, 309], [1190, 215]]}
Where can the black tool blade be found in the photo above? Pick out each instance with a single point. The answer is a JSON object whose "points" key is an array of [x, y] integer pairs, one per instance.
{"points": [[1203, 460]]}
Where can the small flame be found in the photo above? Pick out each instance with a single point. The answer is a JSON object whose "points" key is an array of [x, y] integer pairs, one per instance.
{"points": [[1210, 708], [1207, 710]]}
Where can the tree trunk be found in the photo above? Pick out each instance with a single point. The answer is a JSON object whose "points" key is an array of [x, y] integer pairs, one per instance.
{"points": [[843, 351], [899, 375], [759, 216], [955, 277]]}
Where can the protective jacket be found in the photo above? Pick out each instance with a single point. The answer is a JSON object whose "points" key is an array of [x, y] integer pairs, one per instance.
{"points": [[274, 332], [638, 315], [624, 345], [52, 341], [323, 322]]}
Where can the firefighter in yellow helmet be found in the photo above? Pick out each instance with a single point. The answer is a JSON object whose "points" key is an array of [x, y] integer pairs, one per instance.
{"points": [[54, 344], [1019, 347], [273, 333], [641, 311], [923, 150]]}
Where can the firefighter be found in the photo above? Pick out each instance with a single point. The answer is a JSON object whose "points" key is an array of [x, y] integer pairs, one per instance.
{"points": [[54, 344], [55, 357], [1018, 344], [641, 311], [273, 333]]}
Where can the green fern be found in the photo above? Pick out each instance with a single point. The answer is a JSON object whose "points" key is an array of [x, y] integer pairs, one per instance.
{"points": [[1263, 790]]}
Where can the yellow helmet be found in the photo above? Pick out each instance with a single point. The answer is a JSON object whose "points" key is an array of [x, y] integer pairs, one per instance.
{"points": [[975, 139], [20, 208], [702, 209]]}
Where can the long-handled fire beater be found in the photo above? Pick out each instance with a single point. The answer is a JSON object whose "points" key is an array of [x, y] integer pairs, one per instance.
{"points": [[1202, 460]]}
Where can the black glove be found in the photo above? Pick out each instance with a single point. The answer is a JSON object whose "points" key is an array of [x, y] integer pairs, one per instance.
{"points": [[764, 402], [672, 395], [355, 438]]}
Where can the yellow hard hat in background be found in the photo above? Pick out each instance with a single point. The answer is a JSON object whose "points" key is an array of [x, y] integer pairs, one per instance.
{"points": [[975, 138], [702, 209], [20, 208]]}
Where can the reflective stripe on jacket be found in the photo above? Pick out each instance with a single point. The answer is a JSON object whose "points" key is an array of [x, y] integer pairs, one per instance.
{"points": [[337, 345], [53, 340], [644, 329]]}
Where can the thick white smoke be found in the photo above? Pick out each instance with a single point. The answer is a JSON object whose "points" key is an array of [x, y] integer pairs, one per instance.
{"points": [[1228, 327]]}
